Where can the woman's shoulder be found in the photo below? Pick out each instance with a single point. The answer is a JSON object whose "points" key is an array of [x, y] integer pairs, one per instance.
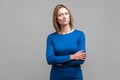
{"points": [[79, 31], [51, 35]]}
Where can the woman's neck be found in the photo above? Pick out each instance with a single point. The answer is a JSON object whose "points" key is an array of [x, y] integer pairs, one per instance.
{"points": [[65, 29]]}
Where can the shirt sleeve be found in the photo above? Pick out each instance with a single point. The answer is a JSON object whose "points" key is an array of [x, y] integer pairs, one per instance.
{"points": [[50, 56], [82, 46]]}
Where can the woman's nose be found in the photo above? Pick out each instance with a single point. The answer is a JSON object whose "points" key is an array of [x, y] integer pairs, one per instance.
{"points": [[64, 16]]}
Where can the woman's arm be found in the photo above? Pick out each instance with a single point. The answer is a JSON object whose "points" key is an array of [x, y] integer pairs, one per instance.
{"points": [[79, 57], [50, 56]]}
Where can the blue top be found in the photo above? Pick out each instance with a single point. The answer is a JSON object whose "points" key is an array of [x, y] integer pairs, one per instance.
{"points": [[61, 46]]}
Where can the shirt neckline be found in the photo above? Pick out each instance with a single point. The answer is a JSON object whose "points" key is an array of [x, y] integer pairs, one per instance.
{"points": [[66, 33]]}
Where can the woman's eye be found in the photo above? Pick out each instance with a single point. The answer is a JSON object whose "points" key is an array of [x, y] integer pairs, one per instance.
{"points": [[66, 13], [60, 15]]}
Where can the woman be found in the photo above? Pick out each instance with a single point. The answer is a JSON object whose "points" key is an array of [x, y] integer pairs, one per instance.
{"points": [[66, 47]]}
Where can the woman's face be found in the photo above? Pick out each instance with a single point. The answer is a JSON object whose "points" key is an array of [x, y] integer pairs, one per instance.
{"points": [[63, 17]]}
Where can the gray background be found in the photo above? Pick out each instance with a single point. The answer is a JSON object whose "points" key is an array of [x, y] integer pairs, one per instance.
{"points": [[25, 24]]}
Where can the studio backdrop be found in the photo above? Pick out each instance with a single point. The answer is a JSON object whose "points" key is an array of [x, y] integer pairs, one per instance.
{"points": [[25, 25]]}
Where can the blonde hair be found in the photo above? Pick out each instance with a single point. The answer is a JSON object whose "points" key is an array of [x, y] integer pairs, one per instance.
{"points": [[55, 14]]}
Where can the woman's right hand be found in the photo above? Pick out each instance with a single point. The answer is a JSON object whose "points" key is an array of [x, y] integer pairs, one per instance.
{"points": [[80, 55]]}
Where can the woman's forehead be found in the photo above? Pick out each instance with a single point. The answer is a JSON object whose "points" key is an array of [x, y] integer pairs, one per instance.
{"points": [[61, 10]]}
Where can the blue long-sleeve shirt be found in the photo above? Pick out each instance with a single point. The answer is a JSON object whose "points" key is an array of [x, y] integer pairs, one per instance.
{"points": [[61, 46]]}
